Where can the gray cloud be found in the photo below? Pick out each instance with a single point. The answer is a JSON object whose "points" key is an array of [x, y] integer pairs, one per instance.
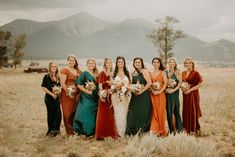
{"points": [[203, 18], [32, 4]]}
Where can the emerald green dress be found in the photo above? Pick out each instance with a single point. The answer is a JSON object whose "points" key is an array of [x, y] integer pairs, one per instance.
{"points": [[85, 116], [173, 107], [140, 109]]}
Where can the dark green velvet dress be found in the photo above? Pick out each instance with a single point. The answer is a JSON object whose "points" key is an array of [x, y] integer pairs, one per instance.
{"points": [[140, 110]]}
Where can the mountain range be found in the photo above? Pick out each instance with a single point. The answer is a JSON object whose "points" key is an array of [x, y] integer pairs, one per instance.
{"points": [[87, 36]]}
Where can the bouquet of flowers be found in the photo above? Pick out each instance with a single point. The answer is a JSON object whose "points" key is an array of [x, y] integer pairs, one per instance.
{"points": [[137, 87], [171, 83], [71, 91], [119, 88], [56, 90], [185, 86], [156, 86], [103, 95], [90, 85]]}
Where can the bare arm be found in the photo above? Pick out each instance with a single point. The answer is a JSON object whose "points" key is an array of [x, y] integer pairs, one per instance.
{"points": [[196, 87], [164, 81], [63, 78], [100, 86], [49, 92], [148, 80], [81, 88]]}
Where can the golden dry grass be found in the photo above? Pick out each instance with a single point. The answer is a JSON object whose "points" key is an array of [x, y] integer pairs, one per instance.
{"points": [[23, 124]]}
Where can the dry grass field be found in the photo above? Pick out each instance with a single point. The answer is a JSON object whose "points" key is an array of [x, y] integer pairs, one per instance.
{"points": [[23, 124]]}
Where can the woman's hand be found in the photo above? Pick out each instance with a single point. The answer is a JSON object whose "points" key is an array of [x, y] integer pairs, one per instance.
{"points": [[170, 91], [54, 96], [139, 92], [187, 91], [156, 92], [89, 92]]}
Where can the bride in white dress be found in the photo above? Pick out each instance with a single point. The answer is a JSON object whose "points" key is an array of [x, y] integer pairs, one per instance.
{"points": [[121, 98]]}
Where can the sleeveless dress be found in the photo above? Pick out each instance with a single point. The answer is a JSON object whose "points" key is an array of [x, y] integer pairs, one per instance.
{"points": [[120, 108], [173, 107], [85, 116], [140, 109], [105, 123], [158, 109]]}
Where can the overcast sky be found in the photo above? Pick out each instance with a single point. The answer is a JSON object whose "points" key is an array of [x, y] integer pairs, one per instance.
{"points": [[208, 20]]}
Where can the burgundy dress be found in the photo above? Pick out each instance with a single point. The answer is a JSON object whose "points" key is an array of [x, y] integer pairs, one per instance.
{"points": [[191, 103], [105, 125]]}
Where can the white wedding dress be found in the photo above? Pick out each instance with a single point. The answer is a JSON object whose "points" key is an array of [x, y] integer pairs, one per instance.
{"points": [[120, 107]]}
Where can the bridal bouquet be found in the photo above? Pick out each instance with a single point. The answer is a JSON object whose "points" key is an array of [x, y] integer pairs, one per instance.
{"points": [[156, 86], [56, 90], [71, 91], [103, 95], [185, 86], [90, 85], [119, 87], [171, 83], [137, 87], [120, 91]]}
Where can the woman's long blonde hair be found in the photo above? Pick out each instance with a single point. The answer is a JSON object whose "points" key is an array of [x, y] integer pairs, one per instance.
{"points": [[172, 58], [56, 72], [104, 65], [95, 70], [191, 59]]}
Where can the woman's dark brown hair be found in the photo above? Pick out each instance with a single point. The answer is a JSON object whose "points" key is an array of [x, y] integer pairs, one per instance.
{"points": [[160, 61], [142, 64], [76, 62], [126, 72]]}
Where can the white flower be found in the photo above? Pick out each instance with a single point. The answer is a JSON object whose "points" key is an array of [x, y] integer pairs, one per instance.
{"points": [[71, 92], [103, 95], [156, 86], [90, 85], [171, 83], [185, 86]]}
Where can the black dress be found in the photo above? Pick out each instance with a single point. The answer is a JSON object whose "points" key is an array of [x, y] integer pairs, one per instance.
{"points": [[53, 106]]}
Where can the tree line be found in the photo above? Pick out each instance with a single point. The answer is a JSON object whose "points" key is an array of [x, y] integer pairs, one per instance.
{"points": [[11, 48]]}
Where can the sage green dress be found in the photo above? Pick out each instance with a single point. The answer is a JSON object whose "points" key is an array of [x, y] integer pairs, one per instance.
{"points": [[173, 108], [140, 110], [85, 116]]}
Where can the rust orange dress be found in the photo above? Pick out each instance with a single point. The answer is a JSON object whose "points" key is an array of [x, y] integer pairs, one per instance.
{"points": [[158, 109], [191, 103], [68, 103], [105, 123]]}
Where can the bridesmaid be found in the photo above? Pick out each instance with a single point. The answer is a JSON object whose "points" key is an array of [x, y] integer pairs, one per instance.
{"points": [[105, 124], [139, 113], [191, 98], [172, 97], [85, 116], [158, 99], [49, 84], [68, 76]]}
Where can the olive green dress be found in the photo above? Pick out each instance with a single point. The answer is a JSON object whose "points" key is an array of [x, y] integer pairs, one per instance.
{"points": [[173, 108]]}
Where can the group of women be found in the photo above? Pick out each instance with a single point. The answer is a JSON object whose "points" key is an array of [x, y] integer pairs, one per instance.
{"points": [[146, 110]]}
